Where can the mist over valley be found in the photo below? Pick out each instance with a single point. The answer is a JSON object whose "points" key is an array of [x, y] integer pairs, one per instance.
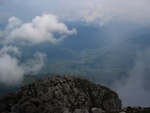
{"points": [[107, 44]]}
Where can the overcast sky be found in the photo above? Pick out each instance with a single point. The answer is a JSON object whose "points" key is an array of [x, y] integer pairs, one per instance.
{"points": [[99, 12]]}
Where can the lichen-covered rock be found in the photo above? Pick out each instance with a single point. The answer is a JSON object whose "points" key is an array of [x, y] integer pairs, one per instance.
{"points": [[61, 94]]}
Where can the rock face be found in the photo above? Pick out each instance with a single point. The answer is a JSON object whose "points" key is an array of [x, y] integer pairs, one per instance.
{"points": [[61, 94], [136, 109]]}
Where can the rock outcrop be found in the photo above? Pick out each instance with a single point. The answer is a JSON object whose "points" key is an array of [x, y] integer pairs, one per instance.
{"points": [[61, 94], [136, 109]]}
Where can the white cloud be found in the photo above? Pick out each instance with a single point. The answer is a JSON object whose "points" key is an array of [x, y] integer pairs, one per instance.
{"points": [[10, 50], [43, 28], [135, 90], [13, 23], [102, 11], [96, 14], [33, 65], [12, 71]]}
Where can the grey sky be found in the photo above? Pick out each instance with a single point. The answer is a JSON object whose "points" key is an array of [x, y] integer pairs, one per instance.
{"points": [[89, 11]]}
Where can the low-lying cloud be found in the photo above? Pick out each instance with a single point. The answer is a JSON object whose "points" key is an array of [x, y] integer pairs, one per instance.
{"points": [[135, 90], [32, 65], [45, 28], [12, 71]]}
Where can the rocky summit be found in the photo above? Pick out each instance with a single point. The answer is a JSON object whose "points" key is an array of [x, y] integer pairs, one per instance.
{"points": [[61, 94]]}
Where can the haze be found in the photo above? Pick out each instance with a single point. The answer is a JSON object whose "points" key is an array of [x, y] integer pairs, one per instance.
{"points": [[103, 40]]}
